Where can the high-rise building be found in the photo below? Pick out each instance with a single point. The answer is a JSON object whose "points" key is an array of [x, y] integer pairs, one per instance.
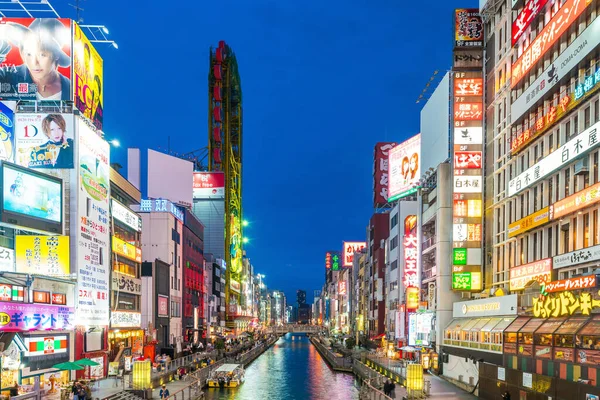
{"points": [[300, 297]]}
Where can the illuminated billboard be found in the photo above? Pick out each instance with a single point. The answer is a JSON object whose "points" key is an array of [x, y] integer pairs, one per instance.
{"points": [[333, 260], [540, 271], [7, 133], [405, 168], [129, 251], [92, 224], [468, 28], [31, 199], [525, 17], [381, 173], [467, 278], [209, 185], [25, 41], [44, 140], [349, 249], [88, 74], [559, 24], [42, 255], [574, 202]]}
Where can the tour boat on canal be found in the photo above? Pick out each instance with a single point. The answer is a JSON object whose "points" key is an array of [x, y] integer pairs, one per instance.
{"points": [[226, 376]]}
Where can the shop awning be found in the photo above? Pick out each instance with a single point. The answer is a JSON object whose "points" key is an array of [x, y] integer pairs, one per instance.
{"points": [[517, 325], [468, 325], [592, 328], [571, 326], [550, 326], [456, 324], [502, 325], [532, 325], [480, 323], [378, 337]]}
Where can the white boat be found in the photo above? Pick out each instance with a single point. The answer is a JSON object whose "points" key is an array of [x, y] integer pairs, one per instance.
{"points": [[226, 376]]}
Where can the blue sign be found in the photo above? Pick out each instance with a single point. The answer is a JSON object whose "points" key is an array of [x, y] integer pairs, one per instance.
{"points": [[162, 205]]}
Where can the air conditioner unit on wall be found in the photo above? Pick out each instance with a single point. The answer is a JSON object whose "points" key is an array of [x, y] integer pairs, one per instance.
{"points": [[582, 166]]}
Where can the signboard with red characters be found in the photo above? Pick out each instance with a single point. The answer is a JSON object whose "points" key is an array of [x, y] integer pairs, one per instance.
{"points": [[349, 249], [525, 17], [467, 159]]}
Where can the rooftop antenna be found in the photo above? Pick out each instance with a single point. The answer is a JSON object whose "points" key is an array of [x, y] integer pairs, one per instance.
{"points": [[78, 10]]}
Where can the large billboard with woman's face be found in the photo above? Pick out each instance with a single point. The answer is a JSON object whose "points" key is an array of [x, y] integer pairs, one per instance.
{"points": [[44, 140], [405, 168], [35, 59], [87, 78]]}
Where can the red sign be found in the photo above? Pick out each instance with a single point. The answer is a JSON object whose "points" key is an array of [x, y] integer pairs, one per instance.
{"points": [[474, 232], [460, 208], [209, 184], [327, 260], [468, 111], [529, 12], [558, 25], [468, 87], [467, 159], [41, 297], [163, 306], [411, 269], [59, 298], [349, 249], [581, 282], [342, 288], [380, 173]]}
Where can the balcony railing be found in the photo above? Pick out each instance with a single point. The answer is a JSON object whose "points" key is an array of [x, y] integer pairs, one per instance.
{"points": [[429, 242]]}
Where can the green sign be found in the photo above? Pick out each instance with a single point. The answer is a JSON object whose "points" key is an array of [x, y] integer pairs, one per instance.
{"points": [[459, 257], [335, 262], [461, 280]]}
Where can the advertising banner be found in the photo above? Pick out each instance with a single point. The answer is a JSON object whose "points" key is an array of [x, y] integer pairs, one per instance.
{"points": [[504, 305], [580, 282], [44, 140], [468, 59], [381, 173], [411, 268], [163, 306], [88, 75], [349, 249], [529, 222], [7, 133], [584, 198], [125, 319], [540, 271], [209, 185], [555, 72], [93, 244], [560, 22], [589, 254], [19, 317], [43, 345], [30, 194], [468, 28], [405, 168], [468, 135], [573, 149], [42, 255], [525, 17], [25, 41], [123, 214]]}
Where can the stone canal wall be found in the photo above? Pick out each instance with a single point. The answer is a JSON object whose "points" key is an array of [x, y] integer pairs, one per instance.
{"points": [[337, 361]]}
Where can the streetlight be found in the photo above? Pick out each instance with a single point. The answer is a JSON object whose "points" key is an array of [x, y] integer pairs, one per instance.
{"points": [[245, 240], [115, 142], [245, 222]]}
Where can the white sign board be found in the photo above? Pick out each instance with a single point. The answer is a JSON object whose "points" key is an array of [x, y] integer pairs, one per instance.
{"points": [[467, 184], [589, 254], [565, 154], [123, 214], [493, 306], [468, 135]]}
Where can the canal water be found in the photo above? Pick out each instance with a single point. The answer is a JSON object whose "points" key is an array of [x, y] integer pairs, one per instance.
{"points": [[291, 369]]}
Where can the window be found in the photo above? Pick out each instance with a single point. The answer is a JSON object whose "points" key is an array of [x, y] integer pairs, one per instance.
{"points": [[595, 225], [586, 230], [565, 242], [394, 243], [126, 267], [393, 286], [394, 265], [575, 244], [394, 221], [126, 301], [535, 246], [587, 117], [567, 180], [550, 253], [535, 199]]}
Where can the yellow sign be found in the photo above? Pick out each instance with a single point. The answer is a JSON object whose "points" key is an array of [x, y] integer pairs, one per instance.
{"points": [[564, 304], [87, 78], [42, 255], [126, 250], [531, 221]]}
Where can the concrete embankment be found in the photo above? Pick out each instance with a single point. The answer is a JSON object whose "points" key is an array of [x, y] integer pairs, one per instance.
{"points": [[337, 361]]}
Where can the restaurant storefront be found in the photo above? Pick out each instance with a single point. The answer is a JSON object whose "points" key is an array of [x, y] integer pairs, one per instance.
{"points": [[476, 334]]}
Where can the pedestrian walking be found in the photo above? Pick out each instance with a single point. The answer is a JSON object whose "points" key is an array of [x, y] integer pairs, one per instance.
{"points": [[392, 393], [164, 392]]}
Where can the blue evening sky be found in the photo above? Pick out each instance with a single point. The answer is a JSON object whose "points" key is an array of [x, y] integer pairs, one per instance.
{"points": [[323, 81]]}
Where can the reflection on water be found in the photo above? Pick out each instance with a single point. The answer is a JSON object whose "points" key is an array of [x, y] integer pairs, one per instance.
{"points": [[290, 370]]}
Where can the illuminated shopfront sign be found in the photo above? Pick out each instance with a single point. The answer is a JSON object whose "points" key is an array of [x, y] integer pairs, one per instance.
{"points": [[589, 254], [540, 271], [529, 222], [560, 68], [560, 22], [332, 260], [125, 319], [466, 232], [412, 298], [17, 317], [502, 305], [404, 163], [42, 255], [123, 214], [588, 83], [570, 151], [565, 303], [468, 280], [44, 345], [467, 208], [459, 256], [468, 184], [126, 283], [525, 17], [468, 135], [381, 173], [411, 269], [467, 159], [342, 288], [468, 28], [580, 282], [162, 205], [581, 199], [126, 250], [349, 249]]}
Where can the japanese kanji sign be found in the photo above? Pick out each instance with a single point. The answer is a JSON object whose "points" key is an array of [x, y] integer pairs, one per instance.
{"points": [[468, 184], [574, 148], [564, 304], [540, 271], [589, 254], [523, 20], [42, 255], [349, 249], [333, 260], [411, 269], [468, 28], [381, 172], [560, 22], [468, 135], [531, 221], [584, 198], [468, 159], [17, 317]]}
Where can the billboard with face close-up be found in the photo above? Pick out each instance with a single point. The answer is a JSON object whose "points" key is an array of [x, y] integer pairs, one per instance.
{"points": [[44, 140], [35, 59], [405, 170]]}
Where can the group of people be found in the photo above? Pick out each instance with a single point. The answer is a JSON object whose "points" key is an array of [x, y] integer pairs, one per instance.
{"points": [[81, 391], [388, 388]]}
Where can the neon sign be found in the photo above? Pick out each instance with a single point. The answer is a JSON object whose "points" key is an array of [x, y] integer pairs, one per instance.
{"points": [[411, 270], [563, 304]]}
